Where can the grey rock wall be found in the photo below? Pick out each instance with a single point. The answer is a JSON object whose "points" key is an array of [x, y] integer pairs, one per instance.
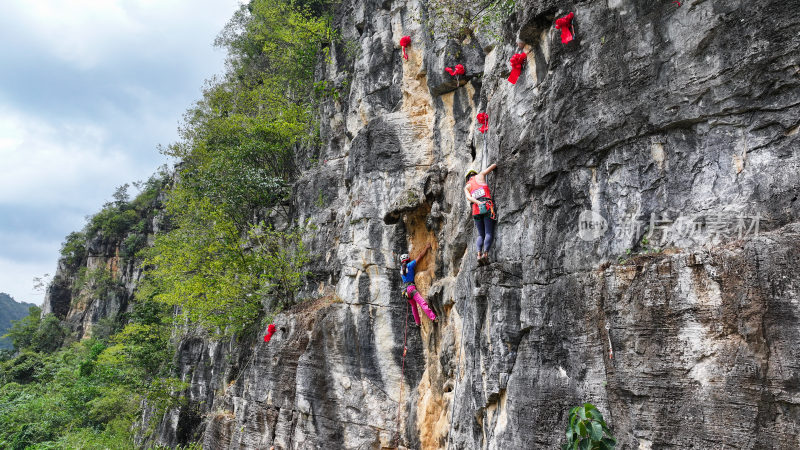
{"points": [[687, 115]]}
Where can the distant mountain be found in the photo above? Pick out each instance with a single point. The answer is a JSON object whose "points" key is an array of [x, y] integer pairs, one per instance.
{"points": [[10, 310]]}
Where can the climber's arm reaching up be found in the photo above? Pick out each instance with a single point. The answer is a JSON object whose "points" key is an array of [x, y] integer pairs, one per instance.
{"points": [[422, 255], [486, 171]]}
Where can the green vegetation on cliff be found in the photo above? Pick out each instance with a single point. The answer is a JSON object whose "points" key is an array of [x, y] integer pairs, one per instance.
{"points": [[223, 260], [224, 246]]}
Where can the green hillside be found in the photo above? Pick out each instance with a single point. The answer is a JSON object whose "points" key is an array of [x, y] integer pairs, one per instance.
{"points": [[10, 310]]}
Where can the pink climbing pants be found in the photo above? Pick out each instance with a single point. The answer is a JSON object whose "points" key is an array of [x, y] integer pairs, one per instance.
{"points": [[420, 301]]}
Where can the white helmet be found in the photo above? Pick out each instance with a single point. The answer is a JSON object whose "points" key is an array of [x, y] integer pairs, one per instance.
{"points": [[404, 257]]}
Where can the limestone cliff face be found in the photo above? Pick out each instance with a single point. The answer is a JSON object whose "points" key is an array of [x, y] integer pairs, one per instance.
{"points": [[98, 285], [98, 279], [687, 116]]}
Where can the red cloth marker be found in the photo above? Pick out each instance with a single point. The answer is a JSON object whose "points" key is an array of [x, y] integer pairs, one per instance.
{"points": [[458, 70], [270, 332], [483, 119], [516, 66], [405, 41], [565, 25]]}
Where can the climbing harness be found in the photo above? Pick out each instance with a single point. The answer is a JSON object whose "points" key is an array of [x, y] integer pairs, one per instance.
{"points": [[487, 207], [489, 204], [481, 193], [516, 66], [405, 41], [410, 295], [608, 334], [565, 25]]}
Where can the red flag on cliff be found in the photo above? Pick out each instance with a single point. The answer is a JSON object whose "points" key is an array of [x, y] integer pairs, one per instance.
{"points": [[483, 119], [270, 332], [565, 25], [456, 71], [516, 66], [405, 41]]}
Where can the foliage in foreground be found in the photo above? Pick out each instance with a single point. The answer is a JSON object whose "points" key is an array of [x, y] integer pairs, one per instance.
{"points": [[86, 395], [587, 430]]}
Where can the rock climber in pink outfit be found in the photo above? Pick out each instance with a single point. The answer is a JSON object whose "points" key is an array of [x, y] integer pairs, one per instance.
{"points": [[407, 269]]}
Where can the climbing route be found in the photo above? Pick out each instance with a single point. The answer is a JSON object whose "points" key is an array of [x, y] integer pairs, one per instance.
{"points": [[483, 119], [608, 334]]}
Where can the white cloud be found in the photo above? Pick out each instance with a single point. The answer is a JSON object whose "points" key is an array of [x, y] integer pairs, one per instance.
{"points": [[89, 32], [87, 91], [16, 279], [53, 163]]}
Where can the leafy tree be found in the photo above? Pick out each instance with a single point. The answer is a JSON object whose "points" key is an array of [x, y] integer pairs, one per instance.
{"points": [[238, 142], [219, 263], [587, 430], [41, 334], [73, 250], [112, 221], [216, 275], [461, 18], [49, 335], [121, 196], [22, 331]]}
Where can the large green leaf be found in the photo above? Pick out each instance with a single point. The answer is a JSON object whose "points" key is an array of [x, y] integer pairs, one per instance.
{"points": [[602, 446], [609, 442], [596, 432], [582, 429], [586, 444]]}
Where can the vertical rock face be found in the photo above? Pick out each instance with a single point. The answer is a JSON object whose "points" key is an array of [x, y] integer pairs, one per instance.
{"points": [[99, 286], [635, 166]]}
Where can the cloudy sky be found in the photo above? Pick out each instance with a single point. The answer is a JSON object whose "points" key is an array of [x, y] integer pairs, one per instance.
{"points": [[88, 89]]}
